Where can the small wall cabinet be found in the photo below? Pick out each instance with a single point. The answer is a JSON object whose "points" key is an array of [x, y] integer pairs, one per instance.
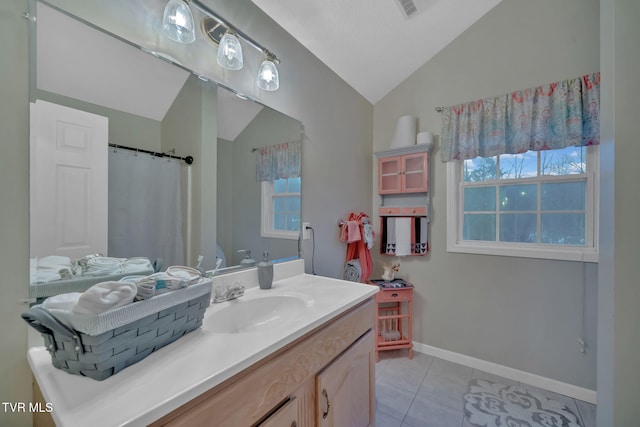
{"points": [[405, 173], [403, 187]]}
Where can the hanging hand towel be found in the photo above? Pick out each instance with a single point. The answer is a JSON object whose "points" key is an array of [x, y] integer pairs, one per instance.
{"points": [[367, 231], [353, 231], [422, 240], [403, 236], [390, 245]]}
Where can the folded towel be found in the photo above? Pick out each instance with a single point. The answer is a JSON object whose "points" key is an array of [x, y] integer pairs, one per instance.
{"points": [[105, 296], [352, 270], [62, 301], [55, 262], [403, 236]]}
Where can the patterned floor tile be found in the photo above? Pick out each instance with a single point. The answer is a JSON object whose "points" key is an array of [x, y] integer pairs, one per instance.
{"points": [[587, 412]]}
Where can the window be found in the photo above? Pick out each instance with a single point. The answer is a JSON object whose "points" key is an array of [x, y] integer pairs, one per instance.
{"points": [[539, 204], [281, 208]]}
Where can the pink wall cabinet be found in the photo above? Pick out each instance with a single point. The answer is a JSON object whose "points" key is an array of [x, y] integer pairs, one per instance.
{"points": [[403, 174]]}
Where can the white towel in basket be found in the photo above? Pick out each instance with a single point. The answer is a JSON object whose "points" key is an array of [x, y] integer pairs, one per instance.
{"points": [[62, 301], [105, 296]]}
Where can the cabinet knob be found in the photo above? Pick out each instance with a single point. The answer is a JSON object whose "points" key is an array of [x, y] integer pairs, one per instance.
{"points": [[389, 211], [394, 295]]}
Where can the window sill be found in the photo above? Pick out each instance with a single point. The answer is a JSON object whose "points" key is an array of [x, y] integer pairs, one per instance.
{"points": [[514, 250]]}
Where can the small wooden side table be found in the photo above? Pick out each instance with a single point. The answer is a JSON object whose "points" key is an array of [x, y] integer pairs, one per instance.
{"points": [[394, 316]]}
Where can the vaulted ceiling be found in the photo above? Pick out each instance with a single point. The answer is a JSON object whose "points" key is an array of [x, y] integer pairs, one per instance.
{"points": [[375, 44]]}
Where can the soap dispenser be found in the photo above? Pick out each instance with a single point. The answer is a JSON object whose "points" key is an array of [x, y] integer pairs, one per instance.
{"points": [[265, 272], [247, 261]]}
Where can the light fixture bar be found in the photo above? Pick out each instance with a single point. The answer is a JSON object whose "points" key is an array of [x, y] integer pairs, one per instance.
{"points": [[204, 8]]}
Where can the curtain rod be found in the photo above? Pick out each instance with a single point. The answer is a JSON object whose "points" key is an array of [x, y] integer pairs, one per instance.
{"points": [[188, 159], [288, 142]]}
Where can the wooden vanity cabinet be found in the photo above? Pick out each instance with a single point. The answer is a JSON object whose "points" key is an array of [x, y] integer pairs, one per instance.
{"points": [[325, 378]]}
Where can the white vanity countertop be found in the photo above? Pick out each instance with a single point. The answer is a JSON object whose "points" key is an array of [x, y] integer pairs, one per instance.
{"points": [[202, 359]]}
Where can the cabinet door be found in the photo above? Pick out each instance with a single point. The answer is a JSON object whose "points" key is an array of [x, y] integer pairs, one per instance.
{"points": [[389, 175], [345, 389], [414, 173]]}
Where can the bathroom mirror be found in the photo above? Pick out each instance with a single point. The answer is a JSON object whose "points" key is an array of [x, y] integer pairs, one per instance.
{"points": [[137, 102]]}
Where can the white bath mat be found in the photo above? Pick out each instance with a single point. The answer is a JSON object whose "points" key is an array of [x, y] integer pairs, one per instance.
{"points": [[490, 404]]}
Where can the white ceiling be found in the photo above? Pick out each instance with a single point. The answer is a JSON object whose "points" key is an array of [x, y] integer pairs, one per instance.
{"points": [[371, 44]]}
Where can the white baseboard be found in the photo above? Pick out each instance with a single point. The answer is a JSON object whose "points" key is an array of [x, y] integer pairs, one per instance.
{"points": [[570, 390]]}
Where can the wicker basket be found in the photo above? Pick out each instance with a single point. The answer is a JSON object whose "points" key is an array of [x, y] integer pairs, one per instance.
{"points": [[134, 332]]}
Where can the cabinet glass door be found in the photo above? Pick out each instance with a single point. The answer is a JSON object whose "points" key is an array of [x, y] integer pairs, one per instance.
{"points": [[415, 173], [389, 175]]}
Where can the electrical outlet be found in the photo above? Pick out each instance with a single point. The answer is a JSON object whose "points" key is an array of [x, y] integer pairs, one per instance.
{"points": [[306, 231]]}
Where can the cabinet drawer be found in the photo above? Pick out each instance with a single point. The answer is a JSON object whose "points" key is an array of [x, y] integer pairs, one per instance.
{"points": [[392, 295], [385, 211], [414, 210], [285, 416]]}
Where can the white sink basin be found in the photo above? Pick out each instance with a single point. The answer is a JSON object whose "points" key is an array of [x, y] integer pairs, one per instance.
{"points": [[245, 315]]}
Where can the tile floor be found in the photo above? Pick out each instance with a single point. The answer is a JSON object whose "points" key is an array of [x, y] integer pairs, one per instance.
{"points": [[427, 391]]}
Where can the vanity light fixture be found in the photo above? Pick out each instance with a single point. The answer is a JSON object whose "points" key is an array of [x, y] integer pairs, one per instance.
{"points": [[177, 22], [268, 78], [178, 25], [230, 52]]}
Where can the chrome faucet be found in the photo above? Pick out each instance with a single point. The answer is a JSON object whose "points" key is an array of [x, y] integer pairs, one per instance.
{"points": [[226, 292]]}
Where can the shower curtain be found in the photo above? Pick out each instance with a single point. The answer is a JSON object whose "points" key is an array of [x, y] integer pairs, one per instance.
{"points": [[145, 209]]}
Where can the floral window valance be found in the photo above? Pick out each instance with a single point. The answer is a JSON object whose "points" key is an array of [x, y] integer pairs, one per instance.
{"points": [[279, 161], [549, 117]]}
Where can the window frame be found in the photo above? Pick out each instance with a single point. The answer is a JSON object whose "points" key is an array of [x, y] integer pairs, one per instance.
{"points": [[455, 218], [266, 213]]}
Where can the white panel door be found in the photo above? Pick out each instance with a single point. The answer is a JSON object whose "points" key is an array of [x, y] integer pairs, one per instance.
{"points": [[69, 181]]}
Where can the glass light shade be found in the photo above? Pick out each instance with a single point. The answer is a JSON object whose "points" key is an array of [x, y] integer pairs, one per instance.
{"points": [[230, 52], [268, 78], [177, 22]]}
